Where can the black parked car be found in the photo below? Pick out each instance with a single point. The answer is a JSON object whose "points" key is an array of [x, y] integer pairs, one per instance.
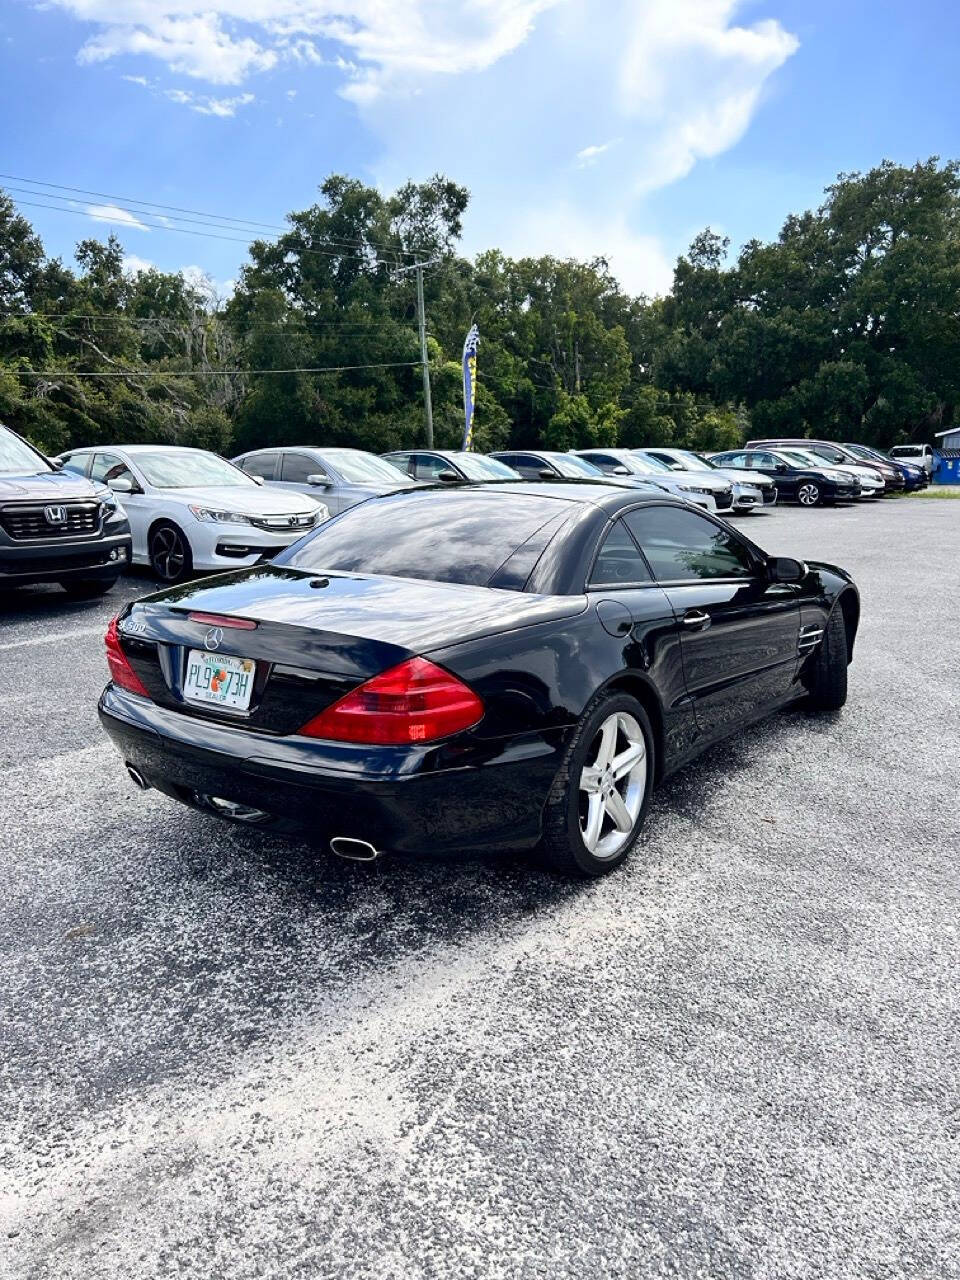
{"points": [[56, 526], [492, 667], [809, 486]]}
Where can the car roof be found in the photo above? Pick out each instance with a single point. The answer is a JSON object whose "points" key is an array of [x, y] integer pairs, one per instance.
{"points": [[598, 493], [139, 448]]}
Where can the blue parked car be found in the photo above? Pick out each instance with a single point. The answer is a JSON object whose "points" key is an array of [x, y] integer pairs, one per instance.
{"points": [[914, 477]]}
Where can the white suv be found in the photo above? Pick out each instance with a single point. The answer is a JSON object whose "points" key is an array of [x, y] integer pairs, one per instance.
{"points": [[190, 509]]}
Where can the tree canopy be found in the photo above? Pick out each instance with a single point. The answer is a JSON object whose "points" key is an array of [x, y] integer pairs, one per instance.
{"points": [[847, 325]]}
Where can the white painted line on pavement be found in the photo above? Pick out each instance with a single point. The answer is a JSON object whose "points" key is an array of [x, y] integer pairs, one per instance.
{"points": [[57, 639]]}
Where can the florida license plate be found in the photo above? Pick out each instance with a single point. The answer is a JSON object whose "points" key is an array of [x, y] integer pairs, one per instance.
{"points": [[220, 679]]}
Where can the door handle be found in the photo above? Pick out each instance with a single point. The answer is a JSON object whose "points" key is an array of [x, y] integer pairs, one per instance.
{"points": [[696, 619]]}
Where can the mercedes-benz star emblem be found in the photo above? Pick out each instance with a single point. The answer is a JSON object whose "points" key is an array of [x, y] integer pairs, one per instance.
{"points": [[214, 638]]}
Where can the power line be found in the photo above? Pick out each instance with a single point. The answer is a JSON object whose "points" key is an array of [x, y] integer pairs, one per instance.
{"points": [[187, 231], [201, 373], [220, 217]]}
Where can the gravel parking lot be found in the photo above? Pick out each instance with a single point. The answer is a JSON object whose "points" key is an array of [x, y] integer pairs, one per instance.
{"points": [[224, 1056]]}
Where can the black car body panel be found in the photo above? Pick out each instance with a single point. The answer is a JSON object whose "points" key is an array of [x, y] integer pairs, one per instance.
{"points": [[536, 655], [55, 526], [789, 477]]}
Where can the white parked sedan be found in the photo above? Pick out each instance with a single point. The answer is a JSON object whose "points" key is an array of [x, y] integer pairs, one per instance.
{"points": [[190, 509]]}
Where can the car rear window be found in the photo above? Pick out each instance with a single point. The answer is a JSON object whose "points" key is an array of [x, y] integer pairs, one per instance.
{"points": [[473, 538]]}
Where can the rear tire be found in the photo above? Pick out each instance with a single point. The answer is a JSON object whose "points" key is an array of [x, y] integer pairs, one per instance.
{"points": [[170, 556], [88, 588], [828, 668], [598, 802]]}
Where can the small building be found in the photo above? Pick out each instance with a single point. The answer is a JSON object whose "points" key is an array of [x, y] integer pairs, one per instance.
{"points": [[949, 439]]}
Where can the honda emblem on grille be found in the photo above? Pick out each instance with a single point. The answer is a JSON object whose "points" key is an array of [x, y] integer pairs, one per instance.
{"points": [[214, 638], [55, 515]]}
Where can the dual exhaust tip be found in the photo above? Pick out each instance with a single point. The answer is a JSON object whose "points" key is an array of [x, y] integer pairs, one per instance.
{"points": [[343, 846]]}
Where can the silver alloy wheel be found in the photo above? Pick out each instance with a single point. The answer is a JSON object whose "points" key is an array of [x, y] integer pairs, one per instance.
{"points": [[612, 785], [167, 554], [808, 495]]}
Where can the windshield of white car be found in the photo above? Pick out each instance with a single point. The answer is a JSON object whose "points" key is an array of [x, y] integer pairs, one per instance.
{"points": [[476, 467], [695, 461], [802, 458], [651, 464], [18, 459], [189, 469], [357, 467], [573, 467]]}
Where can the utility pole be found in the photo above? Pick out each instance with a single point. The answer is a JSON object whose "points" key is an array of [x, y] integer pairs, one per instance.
{"points": [[418, 267]]}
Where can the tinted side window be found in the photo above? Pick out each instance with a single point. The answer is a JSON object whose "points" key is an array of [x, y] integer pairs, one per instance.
{"points": [[528, 465], [618, 560], [761, 460], [683, 546], [297, 466], [403, 461], [732, 460], [76, 462], [429, 467], [107, 466], [261, 464]]}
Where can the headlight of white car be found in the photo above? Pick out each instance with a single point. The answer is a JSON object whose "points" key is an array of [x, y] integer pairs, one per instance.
{"points": [[213, 516]]}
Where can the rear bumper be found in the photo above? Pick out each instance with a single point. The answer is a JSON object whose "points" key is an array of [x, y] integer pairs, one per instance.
{"points": [[55, 562], [390, 797]]}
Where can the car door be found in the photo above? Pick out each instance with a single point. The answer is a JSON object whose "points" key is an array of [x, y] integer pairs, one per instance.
{"points": [[108, 466], [739, 630], [631, 606], [296, 467], [786, 476]]}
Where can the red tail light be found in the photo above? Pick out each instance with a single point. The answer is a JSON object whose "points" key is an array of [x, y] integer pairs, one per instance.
{"points": [[121, 672], [414, 702]]}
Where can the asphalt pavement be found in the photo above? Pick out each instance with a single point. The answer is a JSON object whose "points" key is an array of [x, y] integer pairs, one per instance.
{"points": [[222, 1055]]}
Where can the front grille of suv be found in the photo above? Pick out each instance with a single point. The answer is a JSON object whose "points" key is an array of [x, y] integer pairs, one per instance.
{"points": [[31, 523]]}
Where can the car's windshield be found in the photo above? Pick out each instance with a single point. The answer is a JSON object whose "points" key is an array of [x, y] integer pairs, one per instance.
{"points": [[358, 467], [460, 535], [694, 460], [649, 464], [573, 467], [17, 458], [476, 467], [189, 469], [803, 458]]}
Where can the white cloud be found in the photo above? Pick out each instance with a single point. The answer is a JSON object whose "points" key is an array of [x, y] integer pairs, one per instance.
{"points": [[119, 217], [499, 94], [206, 106], [133, 264], [202, 38], [590, 155], [213, 291]]}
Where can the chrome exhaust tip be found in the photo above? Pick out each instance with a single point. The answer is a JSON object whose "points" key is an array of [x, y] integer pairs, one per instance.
{"points": [[354, 850], [137, 778]]}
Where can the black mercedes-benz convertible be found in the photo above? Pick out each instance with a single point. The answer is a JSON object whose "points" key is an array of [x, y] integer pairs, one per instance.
{"points": [[441, 671]]}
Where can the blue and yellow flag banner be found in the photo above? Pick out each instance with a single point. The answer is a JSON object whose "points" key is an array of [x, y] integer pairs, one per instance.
{"points": [[469, 384]]}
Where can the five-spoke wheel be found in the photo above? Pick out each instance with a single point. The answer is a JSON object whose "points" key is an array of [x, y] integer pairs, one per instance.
{"points": [[170, 556]]}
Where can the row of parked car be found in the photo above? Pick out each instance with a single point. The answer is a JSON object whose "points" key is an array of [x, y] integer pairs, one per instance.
{"points": [[81, 518]]}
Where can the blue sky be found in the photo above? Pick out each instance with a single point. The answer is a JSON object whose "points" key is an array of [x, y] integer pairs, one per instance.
{"points": [[619, 127]]}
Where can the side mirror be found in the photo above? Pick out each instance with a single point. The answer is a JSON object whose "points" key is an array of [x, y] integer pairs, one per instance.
{"points": [[122, 484], [677, 466], [547, 474], [448, 477], [785, 569], [321, 481], [781, 466], [620, 471]]}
